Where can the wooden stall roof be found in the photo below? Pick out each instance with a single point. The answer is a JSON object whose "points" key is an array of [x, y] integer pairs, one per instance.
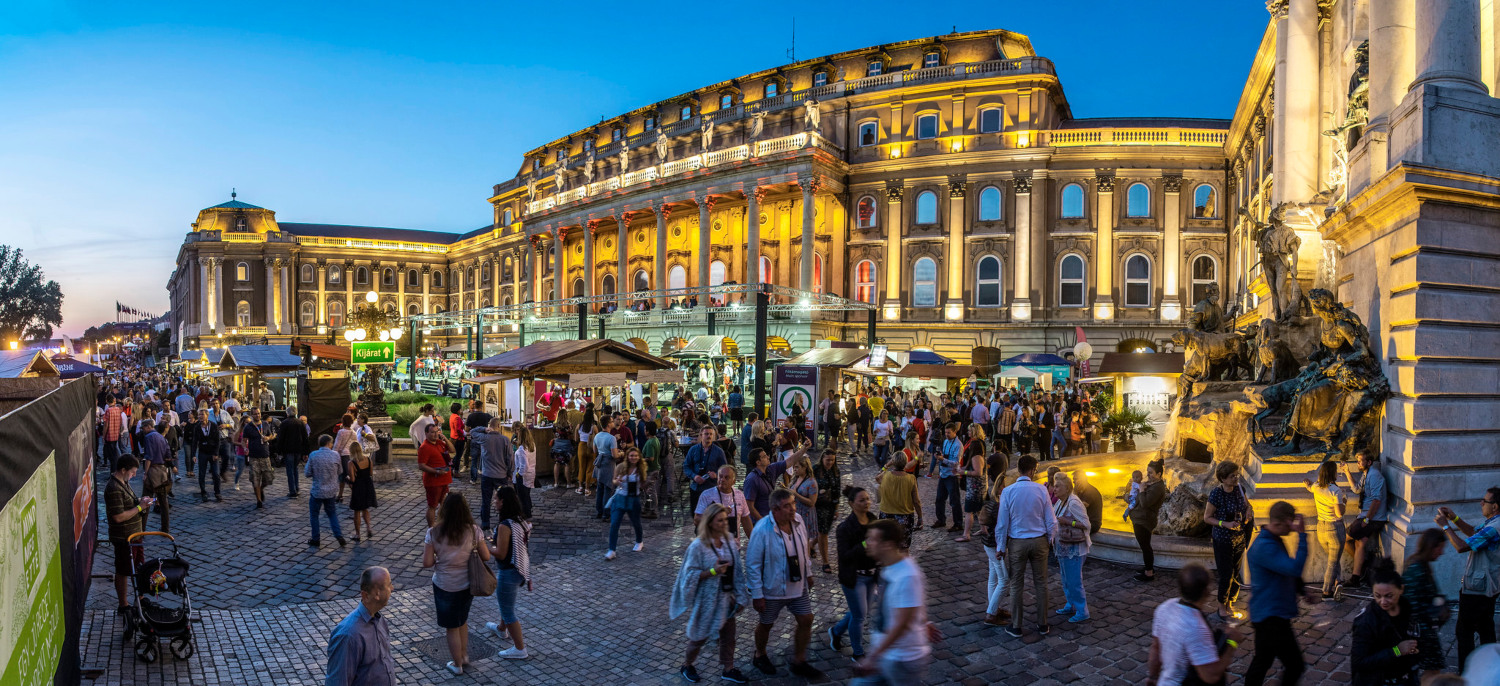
{"points": [[324, 351], [259, 357], [15, 364], [572, 357], [1141, 363]]}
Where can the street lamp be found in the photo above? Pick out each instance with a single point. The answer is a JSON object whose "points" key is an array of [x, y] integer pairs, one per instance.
{"points": [[14, 345], [371, 297]]}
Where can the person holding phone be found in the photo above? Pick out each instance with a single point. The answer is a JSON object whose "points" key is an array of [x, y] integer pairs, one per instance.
{"points": [[1275, 585], [437, 474], [127, 515]]}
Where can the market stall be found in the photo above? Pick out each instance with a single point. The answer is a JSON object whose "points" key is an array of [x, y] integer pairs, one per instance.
{"points": [[936, 378], [1144, 381], [713, 361], [20, 364], [1051, 370], [70, 368]]}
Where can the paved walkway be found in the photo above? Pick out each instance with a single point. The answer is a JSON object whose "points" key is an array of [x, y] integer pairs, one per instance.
{"points": [[267, 603]]}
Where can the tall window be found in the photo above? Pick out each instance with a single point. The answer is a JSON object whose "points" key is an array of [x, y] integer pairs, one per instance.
{"points": [[717, 273], [1205, 205], [1205, 274], [362, 276], [616, 134], [413, 279], [931, 59], [1138, 281], [765, 270], [1070, 277], [927, 207], [864, 213], [485, 273], [336, 314], [471, 275], [506, 217], [642, 281], [437, 278], [335, 274], [242, 272], [987, 282], [820, 79], [726, 101], [308, 315], [869, 134], [874, 68], [864, 281], [241, 224], [588, 145], [307, 273], [562, 154], [773, 89], [388, 277], [924, 283], [677, 277], [817, 273], [1138, 201], [990, 120], [411, 309], [242, 313], [577, 289], [536, 164], [927, 126], [989, 204], [650, 123], [607, 285], [1072, 201]]}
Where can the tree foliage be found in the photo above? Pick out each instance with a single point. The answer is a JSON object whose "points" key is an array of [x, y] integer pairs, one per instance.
{"points": [[30, 305]]}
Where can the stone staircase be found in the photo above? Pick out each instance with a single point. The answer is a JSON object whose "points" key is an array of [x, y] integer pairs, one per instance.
{"points": [[1280, 478]]}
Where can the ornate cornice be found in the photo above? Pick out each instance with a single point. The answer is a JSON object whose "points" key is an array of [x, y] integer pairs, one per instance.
{"points": [[894, 191], [958, 186], [1171, 183], [1106, 181]]}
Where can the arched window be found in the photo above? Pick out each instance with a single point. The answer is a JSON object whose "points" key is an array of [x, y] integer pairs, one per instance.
{"points": [[437, 278], [642, 281], [927, 126], [864, 281], [608, 284], [869, 134], [362, 276], [991, 120], [1138, 201], [987, 288], [485, 273], [506, 217], [388, 277], [308, 315], [1205, 274], [765, 269], [677, 277], [413, 279], [411, 310], [390, 307], [864, 212], [1138, 281], [1205, 204], [577, 289], [927, 207], [718, 272], [817, 273], [307, 273], [242, 313], [471, 276], [924, 283], [335, 274], [336, 314], [1072, 201], [989, 204], [1070, 282], [241, 272]]}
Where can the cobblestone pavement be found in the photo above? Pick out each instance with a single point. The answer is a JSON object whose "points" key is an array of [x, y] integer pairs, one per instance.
{"points": [[267, 603]]}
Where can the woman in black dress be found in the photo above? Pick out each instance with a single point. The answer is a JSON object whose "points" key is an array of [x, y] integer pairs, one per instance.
{"points": [[362, 493], [830, 482]]}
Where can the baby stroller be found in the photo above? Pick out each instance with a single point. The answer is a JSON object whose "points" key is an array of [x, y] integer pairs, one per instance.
{"points": [[162, 607]]}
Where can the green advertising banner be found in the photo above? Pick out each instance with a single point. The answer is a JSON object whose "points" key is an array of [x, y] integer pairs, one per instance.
{"points": [[31, 589], [373, 352]]}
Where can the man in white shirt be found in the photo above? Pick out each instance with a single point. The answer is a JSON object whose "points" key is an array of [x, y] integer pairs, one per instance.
{"points": [[231, 404], [1024, 527], [902, 632], [733, 499], [1181, 641]]}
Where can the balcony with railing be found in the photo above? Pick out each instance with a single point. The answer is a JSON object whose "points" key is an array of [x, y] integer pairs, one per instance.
{"points": [[1070, 138]]}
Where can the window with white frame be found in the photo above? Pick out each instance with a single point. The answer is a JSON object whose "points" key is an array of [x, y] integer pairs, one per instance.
{"points": [[616, 134], [864, 281], [989, 204], [927, 208], [336, 314], [991, 120], [726, 101], [773, 89], [1137, 281], [927, 126], [1205, 202], [1138, 201], [869, 133], [686, 112], [987, 286], [1070, 282], [932, 59], [308, 315], [1072, 201], [241, 272], [241, 224], [642, 281], [1205, 274], [865, 216], [242, 313], [718, 272], [874, 68], [820, 79], [588, 145], [677, 277], [924, 283]]}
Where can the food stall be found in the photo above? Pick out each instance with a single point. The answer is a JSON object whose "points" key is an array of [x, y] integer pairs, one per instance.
{"points": [[935, 378], [1144, 381], [1050, 370], [713, 361]]}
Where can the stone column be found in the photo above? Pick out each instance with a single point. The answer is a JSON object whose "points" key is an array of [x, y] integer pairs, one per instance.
{"points": [[322, 291], [705, 241], [659, 280], [624, 280], [218, 302], [1171, 303], [752, 234], [463, 277], [284, 275], [273, 291], [1020, 304], [204, 298], [893, 193], [426, 287], [958, 188], [401, 288], [1393, 66], [518, 266], [559, 274], [809, 234], [590, 231], [1447, 49], [1104, 256], [1295, 125], [348, 290]]}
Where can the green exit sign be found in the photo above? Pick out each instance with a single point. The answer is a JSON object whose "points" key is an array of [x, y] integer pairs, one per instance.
{"points": [[373, 352]]}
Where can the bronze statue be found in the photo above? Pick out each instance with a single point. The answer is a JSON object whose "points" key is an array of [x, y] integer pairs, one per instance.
{"points": [[1274, 362], [1357, 101], [1210, 356], [1278, 246], [1335, 400], [1207, 314]]}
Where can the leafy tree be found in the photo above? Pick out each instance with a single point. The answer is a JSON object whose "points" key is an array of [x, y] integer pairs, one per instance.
{"points": [[30, 305]]}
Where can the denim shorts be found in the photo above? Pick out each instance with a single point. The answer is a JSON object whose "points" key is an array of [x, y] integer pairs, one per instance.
{"points": [[452, 607]]}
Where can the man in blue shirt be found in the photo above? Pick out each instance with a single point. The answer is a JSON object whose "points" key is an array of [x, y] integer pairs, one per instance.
{"points": [[1275, 584], [359, 651], [947, 488], [1372, 510], [156, 484], [703, 462]]}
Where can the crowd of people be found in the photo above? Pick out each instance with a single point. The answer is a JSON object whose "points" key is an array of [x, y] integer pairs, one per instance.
{"points": [[773, 510]]}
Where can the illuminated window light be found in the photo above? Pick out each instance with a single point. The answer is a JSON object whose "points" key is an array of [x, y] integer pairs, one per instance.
{"points": [[895, 152]]}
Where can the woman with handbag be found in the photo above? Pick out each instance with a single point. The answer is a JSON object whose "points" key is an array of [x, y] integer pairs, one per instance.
{"points": [[513, 558], [362, 492], [630, 480], [447, 550], [1072, 546], [711, 586]]}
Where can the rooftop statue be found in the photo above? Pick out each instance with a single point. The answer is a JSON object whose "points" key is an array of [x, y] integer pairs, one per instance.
{"points": [[757, 124], [588, 168], [624, 159], [708, 135]]}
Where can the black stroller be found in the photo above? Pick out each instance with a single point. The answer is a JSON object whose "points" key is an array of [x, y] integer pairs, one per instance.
{"points": [[162, 606]]}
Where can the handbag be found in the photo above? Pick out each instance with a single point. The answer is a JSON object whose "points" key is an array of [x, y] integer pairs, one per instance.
{"points": [[482, 582], [1067, 534]]}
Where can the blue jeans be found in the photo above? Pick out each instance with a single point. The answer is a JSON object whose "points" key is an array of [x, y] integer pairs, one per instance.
{"points": [[948, 490], [1072, 583], [897, 673], [239, 468], [487, 487], [293, 471], [861, 597], [510, 582], [313, 504], [1058, 447], [631, 505], [997, 579], [882, 453]]}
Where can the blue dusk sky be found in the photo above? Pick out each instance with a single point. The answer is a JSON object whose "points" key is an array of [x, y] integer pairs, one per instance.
{"points": [[120, 120]]}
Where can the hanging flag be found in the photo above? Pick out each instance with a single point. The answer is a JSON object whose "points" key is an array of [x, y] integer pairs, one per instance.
{"points": [[1084, 363]]}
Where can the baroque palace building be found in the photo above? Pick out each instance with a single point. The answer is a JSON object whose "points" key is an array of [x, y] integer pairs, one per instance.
{"points": [[943, 181]]}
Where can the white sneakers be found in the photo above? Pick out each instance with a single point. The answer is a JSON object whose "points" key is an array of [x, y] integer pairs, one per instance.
{"points": [[455, 668], [513, 653], [498, 630], [638, 547], [609, 555]]}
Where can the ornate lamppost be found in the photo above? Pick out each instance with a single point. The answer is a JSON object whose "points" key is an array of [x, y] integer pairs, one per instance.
{"points": [[369, 321]]}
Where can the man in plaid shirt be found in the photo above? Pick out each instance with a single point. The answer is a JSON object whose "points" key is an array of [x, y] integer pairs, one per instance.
{"points": [[114, 429]]}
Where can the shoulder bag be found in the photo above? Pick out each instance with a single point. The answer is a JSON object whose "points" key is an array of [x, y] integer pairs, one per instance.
{"points": [[1067, 534], [482, 580]]}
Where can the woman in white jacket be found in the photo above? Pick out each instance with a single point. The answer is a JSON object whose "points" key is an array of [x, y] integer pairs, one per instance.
{"points": [[1071, 546], [711, 584]]}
